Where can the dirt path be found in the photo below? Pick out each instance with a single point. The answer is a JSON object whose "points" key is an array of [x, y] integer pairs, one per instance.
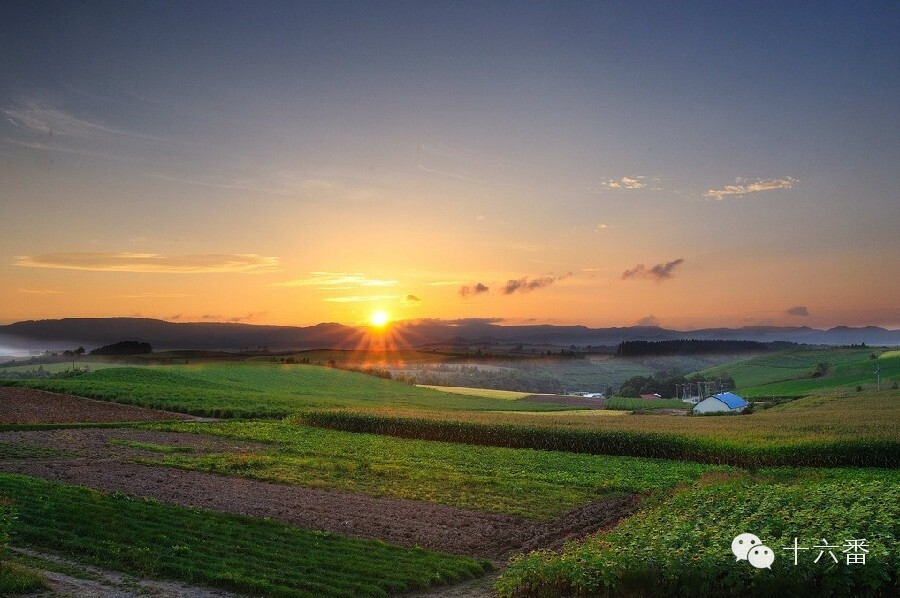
{"points": [[31, 406], [440, 527], [68, 578]]}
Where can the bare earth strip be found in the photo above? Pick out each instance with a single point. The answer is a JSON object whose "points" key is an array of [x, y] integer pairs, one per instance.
{"points": [[30, 406], [101, 583], [405, 522]]}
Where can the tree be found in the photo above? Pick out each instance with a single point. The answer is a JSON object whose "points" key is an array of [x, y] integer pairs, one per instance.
{"points": [[124, 348]]}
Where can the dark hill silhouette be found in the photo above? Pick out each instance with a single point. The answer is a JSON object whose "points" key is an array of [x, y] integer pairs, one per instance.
{"points": [[163, 335]]}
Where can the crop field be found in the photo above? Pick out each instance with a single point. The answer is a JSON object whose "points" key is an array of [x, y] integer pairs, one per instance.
{"points": [[366, 486], [530, 483], [574, 413], [682, 545], [490, 393], [259, 390], [148, 538], [630, 404], [825, 430]]}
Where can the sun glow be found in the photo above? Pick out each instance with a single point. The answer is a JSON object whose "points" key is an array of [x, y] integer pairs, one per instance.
{"points": [[380, 318]]}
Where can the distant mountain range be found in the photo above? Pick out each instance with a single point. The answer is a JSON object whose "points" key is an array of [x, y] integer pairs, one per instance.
{"points": [[93, 332]]}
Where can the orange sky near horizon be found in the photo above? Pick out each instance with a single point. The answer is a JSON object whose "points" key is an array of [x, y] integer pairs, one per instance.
{"points": [[603, 164]]}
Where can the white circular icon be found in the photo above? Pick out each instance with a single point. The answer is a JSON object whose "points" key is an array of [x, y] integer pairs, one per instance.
{"points": [[761, 557], [742, 544]]}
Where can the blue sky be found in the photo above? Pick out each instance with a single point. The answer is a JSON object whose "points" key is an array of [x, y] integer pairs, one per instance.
{"points": [[426, 143]]}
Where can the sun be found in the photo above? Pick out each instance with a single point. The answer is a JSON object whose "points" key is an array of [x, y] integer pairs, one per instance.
{"points": [[379, 318]]}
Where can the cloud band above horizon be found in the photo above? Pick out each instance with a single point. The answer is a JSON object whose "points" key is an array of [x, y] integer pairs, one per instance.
{"points": [[98, 261]]}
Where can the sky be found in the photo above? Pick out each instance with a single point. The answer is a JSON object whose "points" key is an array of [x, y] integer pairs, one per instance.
{"points": [[603, 163]]}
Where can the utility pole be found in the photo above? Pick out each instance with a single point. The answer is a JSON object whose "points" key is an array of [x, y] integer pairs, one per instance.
{"points": [[878, 375]]}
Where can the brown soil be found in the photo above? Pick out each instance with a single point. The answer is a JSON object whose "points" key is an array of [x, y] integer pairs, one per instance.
{"points": [[580, 402], [406, 522], [30, 406], [85, 580], [105, 443]]}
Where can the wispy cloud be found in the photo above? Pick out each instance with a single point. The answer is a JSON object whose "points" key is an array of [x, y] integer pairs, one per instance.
{"points": [[626, 182], [744, 186], [526, 285], [657, 273], [250, 317], [629, 183], [448, 174], [446, 283], [361, 298], [798, 310], [98, 261], [39, 291], [270, 183], [39, 118], [472, 290], [336, 280], [156, 295]]}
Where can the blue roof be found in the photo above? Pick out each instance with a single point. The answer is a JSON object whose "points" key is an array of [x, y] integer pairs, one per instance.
{"points": [[732, 400]]}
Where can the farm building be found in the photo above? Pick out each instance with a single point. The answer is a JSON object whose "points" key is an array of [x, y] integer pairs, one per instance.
{"points": [[723, 402], [653, 396]]}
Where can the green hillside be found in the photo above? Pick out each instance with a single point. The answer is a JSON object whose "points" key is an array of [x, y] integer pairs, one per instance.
{"points": [[791, 373], [844, 376], [259, 390]]}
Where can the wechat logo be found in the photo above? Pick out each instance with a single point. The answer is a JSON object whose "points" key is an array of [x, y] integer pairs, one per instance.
{"points": [[748, 547]]}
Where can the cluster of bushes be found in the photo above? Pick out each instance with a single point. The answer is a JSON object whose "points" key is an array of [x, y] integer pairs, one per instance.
{"points": [[124, 348], [701, 449]]}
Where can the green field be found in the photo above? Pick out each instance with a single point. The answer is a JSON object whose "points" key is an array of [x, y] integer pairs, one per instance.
{"points": [[806, 468], [790, 373], [531, 483], [824, 430], [842, 376], [260, 390], [681, 546], [148, 538]]}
